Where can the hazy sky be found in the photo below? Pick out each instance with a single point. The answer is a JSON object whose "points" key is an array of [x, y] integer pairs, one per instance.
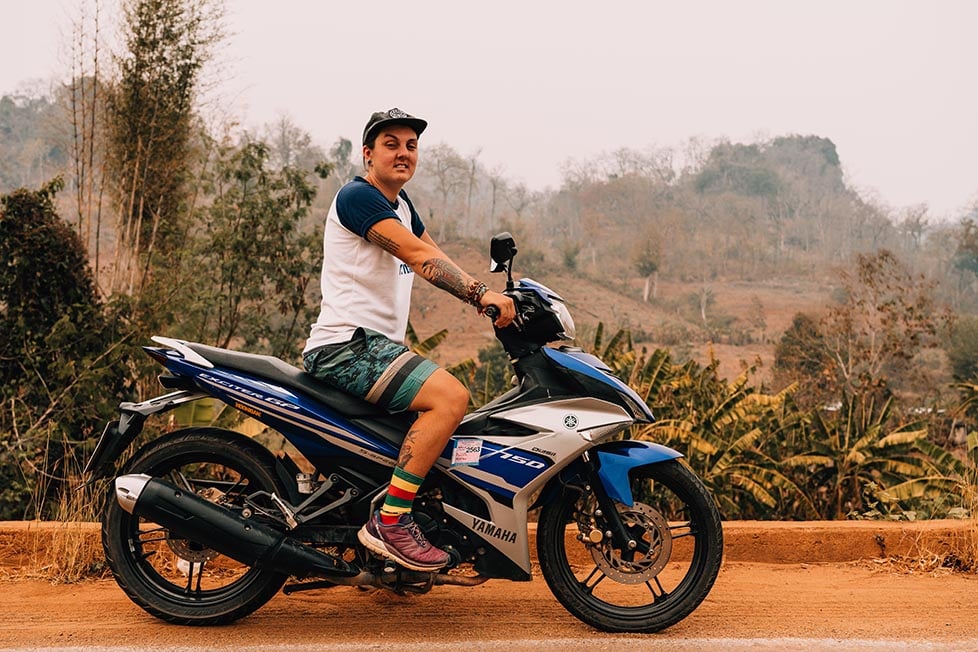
{"points": [[894, 83]]}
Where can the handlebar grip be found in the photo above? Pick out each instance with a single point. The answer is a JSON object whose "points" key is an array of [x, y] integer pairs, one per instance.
{"points": [[491, 312]]}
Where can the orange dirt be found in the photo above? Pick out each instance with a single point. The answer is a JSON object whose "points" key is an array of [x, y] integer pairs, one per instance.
{"points": [[826, 602]]}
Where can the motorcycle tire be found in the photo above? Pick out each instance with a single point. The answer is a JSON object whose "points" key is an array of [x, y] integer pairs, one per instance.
{"points": [[178, 580], [676, 526]]}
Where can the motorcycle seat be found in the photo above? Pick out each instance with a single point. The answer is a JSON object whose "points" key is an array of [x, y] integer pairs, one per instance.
{"points": [[279, 372]]}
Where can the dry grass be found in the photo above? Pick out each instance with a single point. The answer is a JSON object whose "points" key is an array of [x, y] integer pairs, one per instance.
{"points": [[64, 550], [953, 552], [60, 552]]}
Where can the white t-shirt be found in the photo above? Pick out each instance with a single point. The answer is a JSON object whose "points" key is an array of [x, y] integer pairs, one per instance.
{"points": [[362, 284]]}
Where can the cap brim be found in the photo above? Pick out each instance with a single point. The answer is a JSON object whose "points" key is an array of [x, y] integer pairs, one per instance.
{"points": [[417, 124]]}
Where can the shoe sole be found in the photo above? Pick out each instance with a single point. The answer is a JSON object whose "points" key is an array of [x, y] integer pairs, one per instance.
{"points": [[377, 546]]}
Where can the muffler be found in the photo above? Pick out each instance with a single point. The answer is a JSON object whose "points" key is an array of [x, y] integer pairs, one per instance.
{"points": [[187, 515]]}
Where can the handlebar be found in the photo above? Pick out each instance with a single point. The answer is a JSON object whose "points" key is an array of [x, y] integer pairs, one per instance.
{"points": [[492, 312]]}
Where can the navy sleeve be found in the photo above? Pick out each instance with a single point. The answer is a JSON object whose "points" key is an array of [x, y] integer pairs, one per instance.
{"points": [[359, 206], [417, 226]]}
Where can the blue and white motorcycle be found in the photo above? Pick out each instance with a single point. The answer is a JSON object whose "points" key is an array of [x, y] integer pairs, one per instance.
{"points": [[205, 525]]}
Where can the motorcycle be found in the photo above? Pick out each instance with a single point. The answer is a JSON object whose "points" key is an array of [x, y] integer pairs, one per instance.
{"points": [[205, 525]]}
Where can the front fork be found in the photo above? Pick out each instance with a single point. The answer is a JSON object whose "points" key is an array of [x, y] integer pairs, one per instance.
{"points": [[608, 512]]}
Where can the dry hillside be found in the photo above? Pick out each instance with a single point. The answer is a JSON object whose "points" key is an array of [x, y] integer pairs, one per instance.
{"points": [[591, 302]]}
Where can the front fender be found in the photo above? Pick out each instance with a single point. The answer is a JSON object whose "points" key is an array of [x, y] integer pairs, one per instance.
{"points": [[617, 458]]}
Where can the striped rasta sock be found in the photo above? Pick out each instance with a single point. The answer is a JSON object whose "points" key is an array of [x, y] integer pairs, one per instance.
{"points": [[400, 496]]}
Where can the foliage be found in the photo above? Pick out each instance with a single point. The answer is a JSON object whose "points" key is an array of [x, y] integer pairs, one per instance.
{"points": [[211, 247], [28, 139], [259, 265], [764, 457], [870, 340], [646, 256], [947, 489], [58, 351], [727, 432], [853, 446], [966, 256], [150, 125], [801, 357], [961, 346], [887, 316], [492, 376]]}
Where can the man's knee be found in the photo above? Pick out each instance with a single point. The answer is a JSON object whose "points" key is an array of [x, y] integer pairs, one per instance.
{"points": [[445, 393], [458, 398], [451, 395]]}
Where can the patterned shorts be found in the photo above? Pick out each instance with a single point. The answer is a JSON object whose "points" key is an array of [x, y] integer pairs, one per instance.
{"points": [[373, 367]]}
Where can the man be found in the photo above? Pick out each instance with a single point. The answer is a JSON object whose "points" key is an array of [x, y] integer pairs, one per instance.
{"points": [[374, 244]]}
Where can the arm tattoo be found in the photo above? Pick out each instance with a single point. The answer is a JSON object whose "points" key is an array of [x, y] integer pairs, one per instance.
{"points": [[383, 242], [445, 275]]}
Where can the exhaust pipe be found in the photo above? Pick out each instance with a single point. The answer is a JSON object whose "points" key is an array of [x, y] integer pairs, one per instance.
{"points": [[255, 544]]}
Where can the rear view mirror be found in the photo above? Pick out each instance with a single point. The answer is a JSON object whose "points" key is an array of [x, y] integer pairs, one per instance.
{"points": [[502, 250]]}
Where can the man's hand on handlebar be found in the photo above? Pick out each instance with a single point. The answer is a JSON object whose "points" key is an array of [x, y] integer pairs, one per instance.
{"points": [[499, 307]]}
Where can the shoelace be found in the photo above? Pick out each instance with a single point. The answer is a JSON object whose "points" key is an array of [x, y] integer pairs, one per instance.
{"points": [[415, 532]]}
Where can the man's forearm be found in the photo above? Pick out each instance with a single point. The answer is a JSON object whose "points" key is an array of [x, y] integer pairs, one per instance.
{"points": [[448, 276], [436, 268]]}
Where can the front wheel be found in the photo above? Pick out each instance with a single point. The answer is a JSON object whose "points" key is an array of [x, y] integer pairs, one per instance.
{"points": [[676, 527], [177, 579]]}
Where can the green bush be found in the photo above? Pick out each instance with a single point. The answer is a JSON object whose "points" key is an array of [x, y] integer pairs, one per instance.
{"points": [[58, 378]]}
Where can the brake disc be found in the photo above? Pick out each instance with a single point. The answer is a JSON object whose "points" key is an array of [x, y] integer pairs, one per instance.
{"points": [[654, 549], [191, 551]]}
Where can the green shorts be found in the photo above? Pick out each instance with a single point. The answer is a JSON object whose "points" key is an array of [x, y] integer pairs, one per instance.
{"points": [[372, 367]]}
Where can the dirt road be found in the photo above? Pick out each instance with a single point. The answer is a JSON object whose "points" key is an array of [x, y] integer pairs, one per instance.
{"points": [[815, 597], [753, 606]]}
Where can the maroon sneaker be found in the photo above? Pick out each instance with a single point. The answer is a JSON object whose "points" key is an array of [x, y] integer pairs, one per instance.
{"points": [[403, 542]]}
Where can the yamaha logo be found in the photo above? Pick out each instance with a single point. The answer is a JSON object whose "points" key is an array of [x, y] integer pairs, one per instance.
{"points": [[570, 422]]}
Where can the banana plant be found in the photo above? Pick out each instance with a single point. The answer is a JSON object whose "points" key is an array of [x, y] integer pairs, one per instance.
{"points": [[853, 446], [428, 345], [726, 429]]}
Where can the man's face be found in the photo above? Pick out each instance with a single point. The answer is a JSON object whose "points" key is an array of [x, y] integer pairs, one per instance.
{"points": [[394, 155]]}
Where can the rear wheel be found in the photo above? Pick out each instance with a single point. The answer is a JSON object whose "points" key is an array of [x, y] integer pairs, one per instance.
{"points": [[676, 527], [176, 579]]}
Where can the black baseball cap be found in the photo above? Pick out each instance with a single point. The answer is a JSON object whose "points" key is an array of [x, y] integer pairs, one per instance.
{"points": [[391, 117]]}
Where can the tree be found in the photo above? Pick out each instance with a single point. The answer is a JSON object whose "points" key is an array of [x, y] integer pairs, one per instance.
{"points": [[802, 357], [44, 276], [31, 153], [150, 128], [290, 146], [58, 352], [961, 346], [85, 108], [341, 159], [887, 315], [450, 173], [854, 446], [646, 257], [966, 256], [260, 263]]}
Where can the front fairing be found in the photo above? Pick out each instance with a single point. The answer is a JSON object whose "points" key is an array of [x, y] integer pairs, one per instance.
{"points": [[596, 375]]}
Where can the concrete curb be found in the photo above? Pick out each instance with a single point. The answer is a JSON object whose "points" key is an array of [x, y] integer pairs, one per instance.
{"points": [[766, 542], [779, 542]]}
